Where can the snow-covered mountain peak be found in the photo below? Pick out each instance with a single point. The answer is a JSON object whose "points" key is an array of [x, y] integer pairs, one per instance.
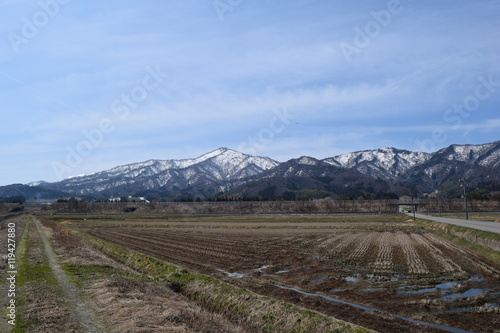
{"points": [[220, 165], [223, 168], [383, 156], [214, 153], [486, 154], [386, 163], [306, 160], [227, 156], [37, 183]]}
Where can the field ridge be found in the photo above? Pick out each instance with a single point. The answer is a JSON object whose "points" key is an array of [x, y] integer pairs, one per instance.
{"points": [[226, 298]]}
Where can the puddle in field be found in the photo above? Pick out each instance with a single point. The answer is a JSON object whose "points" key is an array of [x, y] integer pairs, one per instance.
{"points": [[282, 272], [469, 293], [418, 291], [447, 285], [332, 299], [338, 290], [371, 278], [235, 275], [262, 268], [336, 300], [491, 306], [352, 279], [444, 289]]}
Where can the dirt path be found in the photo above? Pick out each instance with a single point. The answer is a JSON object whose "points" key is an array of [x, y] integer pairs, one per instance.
{"points": [[83, 313]]}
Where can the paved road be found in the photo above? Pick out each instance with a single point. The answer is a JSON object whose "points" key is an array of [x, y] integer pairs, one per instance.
{"points": [[479, 225]]}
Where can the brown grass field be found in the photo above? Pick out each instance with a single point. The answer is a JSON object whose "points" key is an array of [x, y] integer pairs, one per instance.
{"points": [[479, 216], [383, 272]]}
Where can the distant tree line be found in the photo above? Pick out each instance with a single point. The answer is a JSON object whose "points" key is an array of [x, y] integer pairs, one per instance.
{"points": [[476, 193], [19, 199]]}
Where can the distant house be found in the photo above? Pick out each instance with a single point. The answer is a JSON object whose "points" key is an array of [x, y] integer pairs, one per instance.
{"points": [[71, 199], [406, 208], [408, 204], [405, 198], [137, 199]]}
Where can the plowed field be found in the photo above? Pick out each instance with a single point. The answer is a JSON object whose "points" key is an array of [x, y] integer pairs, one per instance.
{"points": [[383, 274]]}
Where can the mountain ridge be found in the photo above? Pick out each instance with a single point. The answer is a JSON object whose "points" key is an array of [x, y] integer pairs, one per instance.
{"points": [[226, 171], [213, 168]]}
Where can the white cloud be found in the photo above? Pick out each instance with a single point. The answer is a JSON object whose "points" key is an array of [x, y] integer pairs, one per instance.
{"points": [[226, 78]]}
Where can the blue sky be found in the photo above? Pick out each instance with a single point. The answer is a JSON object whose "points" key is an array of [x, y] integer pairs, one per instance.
{"points": [[87, 85]]}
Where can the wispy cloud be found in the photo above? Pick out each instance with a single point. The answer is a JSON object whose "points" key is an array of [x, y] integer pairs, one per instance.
{"points": [[226, 78]]}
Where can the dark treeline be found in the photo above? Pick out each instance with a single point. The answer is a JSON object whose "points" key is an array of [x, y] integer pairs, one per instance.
{"points": [[274, 206]]}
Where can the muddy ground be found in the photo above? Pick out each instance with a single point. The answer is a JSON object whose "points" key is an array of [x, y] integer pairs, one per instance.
{"points": [[86, 291], [384, 269]]}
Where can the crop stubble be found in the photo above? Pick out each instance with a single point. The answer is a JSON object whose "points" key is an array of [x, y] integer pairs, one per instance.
{"points": [[385, 268]]}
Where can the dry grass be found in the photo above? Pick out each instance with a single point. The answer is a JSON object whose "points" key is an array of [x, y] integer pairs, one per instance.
{"points": [[479, 216], [42, 306], [141, 306], [126, 301]]}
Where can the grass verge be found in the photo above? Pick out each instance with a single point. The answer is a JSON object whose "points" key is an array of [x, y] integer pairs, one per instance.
{"points": [[41, 304], [479, 216], [465, 236]]}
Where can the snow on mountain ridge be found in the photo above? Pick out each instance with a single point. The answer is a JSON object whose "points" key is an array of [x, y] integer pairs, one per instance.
{"points": [[306, 160], [386, 162], [37, 183], [222, 168], [389, 162], [154, 165], [220, 165], [485, 155]]}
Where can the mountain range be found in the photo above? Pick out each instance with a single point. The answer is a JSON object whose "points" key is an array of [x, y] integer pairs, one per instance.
{"points": [[378, 173]]}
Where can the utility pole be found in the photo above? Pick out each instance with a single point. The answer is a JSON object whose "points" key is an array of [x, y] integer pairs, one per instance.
{"points": [[413, 207], [464, 186], [439, 207], [418, 203]]}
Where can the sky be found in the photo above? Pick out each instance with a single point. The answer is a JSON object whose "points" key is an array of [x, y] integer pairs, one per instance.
{"points": [[89, 85]]}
